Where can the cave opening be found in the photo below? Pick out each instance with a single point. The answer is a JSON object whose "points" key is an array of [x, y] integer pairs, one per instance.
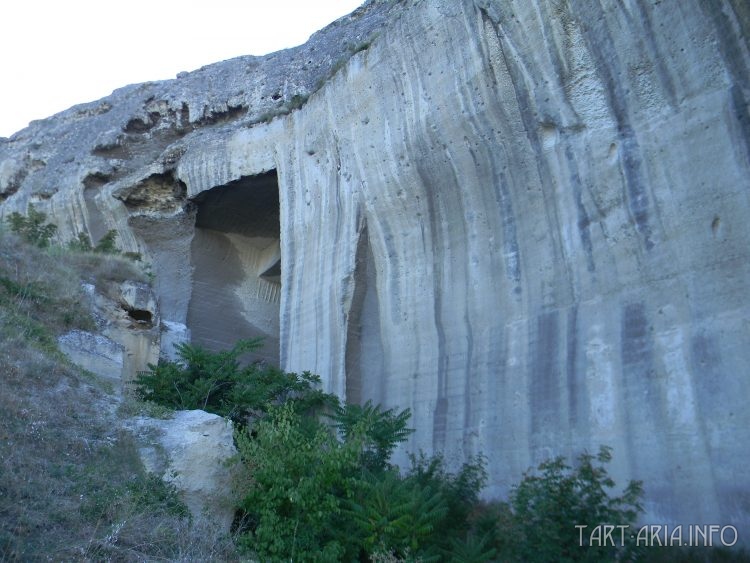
{"points": [[140, 316], [236, 257]]}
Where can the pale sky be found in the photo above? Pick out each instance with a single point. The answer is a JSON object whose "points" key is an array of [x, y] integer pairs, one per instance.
{"points": [[58, 53]]}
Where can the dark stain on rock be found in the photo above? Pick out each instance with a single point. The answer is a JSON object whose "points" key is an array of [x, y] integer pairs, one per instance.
{"points": [[583, 221], [95, 180], [575, 373], [142, 124], [544, 380]]}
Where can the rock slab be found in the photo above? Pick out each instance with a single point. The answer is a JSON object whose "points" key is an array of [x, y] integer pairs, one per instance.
{"points": [[191, 451]]}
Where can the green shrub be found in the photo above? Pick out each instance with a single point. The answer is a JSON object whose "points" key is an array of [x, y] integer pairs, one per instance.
{"points": [[395, 513], [320, 488], [380, 431], [32, 228], [538, 524], [217, 382], [460, 491], [80, 244], [107, 243], [298, 477], [317, 492]]}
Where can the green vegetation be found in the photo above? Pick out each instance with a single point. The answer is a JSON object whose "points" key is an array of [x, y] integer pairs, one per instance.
{"points": [[72, 487], [538, 522], [106, 245], [32, 228], [318, 483], [316, 480], [217, 382]]}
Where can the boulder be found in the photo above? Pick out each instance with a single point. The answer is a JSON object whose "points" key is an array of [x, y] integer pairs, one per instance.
{"points": [[191, 450]]}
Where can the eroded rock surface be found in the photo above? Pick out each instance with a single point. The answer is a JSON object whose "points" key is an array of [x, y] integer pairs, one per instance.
{"points": [[128, 332], [526, 221], [191, 450]]}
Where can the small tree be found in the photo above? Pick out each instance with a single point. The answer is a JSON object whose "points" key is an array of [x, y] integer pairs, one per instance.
{"points": [[539, 524], [32, 228], [107, 243], [379, 430], [80, 244]]}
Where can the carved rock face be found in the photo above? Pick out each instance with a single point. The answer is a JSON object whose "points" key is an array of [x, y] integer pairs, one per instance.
{"points": [[525, 221]]}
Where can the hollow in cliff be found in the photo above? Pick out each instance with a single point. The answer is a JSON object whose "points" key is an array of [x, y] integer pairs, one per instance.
{"points": [[237, 265]]}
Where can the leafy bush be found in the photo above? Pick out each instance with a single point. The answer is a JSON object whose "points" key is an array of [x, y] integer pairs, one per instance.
{"points": [[107, 243], [538, 524], [395, 513], [80, 244], [380, 431], [454, 532], [32, 228], [217, 382], [322, 488], [318, 492], [298, 477]]}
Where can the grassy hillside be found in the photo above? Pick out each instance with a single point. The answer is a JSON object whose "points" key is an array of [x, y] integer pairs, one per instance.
{"points": [[71, 484]]}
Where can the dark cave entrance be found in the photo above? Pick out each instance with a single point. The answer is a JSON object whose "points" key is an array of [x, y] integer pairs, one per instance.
{"points": [[236, 257]]}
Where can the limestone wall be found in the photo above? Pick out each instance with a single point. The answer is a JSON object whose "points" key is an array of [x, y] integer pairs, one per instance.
{"points": [[525, 221]]}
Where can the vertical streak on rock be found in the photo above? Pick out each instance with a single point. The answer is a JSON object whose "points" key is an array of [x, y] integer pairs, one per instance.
{"points": [[435, 213], [643, 396], [511, 251], [545, 391], [602, 48], [574, 375], [732, 23], [583, 221], [541, 175], [364, 355]]}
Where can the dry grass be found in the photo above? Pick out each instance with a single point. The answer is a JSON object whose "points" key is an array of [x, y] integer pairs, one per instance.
{"points": [[72, 487]]}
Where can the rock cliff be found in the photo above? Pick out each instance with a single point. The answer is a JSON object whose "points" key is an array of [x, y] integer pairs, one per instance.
{"points": [[526, 221]]}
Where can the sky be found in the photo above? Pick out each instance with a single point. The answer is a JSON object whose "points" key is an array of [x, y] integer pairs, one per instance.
{"points": [[55, 54]]}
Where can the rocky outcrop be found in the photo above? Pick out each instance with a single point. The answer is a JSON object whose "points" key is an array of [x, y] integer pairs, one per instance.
{"points": [[191, 450], [128, 332], [98, 354], [524, 221]]}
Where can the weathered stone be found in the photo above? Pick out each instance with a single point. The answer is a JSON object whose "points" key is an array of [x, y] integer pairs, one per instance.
{"points": [[191, 450], [94, 352], [128, 314], [526, 221]]}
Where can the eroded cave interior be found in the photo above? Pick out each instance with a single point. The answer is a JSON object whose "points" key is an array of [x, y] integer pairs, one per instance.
{"points": [[236, 259]]}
